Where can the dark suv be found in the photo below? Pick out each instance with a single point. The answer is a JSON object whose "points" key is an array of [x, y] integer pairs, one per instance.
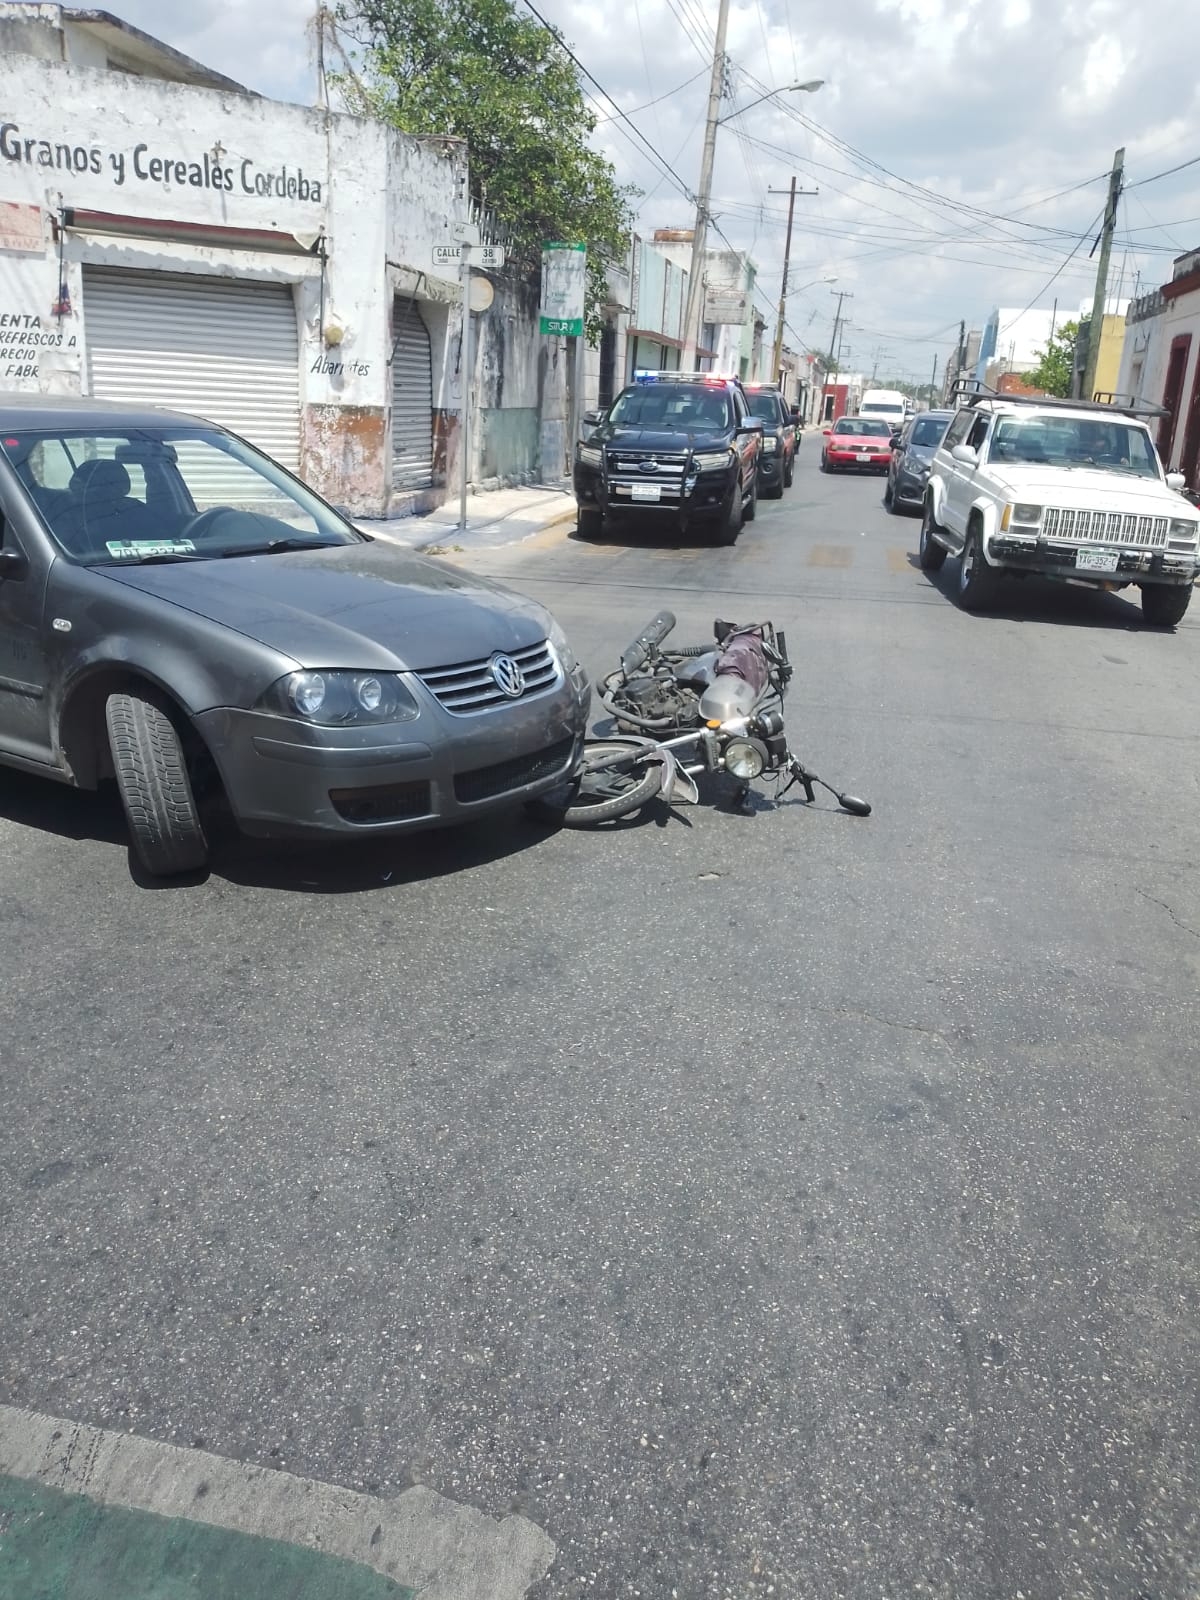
{"points": [[912, 457], [676, 447], [777, 462]]}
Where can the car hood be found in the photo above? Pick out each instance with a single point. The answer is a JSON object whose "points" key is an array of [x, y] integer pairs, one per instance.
{"points": [[1085, 486], [366, 606], [648, 441]]}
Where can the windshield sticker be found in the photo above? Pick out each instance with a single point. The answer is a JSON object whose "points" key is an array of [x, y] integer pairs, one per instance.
{"points": [[136, 549]]}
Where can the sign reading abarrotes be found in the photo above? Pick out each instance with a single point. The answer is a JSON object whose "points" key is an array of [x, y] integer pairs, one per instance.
{"points": [[564, 288]]}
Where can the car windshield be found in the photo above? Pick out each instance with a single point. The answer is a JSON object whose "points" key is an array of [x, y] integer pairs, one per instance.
{"points": [[1101, 442], [671, 407], [128, 495], [928, 431], [764, 404], [864, 427]]}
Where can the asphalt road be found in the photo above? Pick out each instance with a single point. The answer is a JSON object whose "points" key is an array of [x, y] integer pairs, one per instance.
{"points": [[789, 1204]]}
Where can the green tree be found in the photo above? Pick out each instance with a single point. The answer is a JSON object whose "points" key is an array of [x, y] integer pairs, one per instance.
{"points": [[503, 83], [1056, 363]]}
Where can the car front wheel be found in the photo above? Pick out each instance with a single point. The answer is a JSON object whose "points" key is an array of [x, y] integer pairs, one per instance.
{"points": [[1163, 605], [930, 554], [156, 792]]}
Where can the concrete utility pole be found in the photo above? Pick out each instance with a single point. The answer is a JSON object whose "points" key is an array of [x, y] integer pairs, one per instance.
{"points": [[695, 297], [962, 351], [1100, 297], [468, 361], [777, 360], [842, 294], [933, 385]]}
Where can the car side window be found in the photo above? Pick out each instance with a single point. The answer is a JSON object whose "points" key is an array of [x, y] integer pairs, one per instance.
{"points": [[978, 431], [957, 431]]}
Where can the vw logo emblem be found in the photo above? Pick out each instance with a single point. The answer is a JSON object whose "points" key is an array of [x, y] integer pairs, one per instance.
{"points": [[510, 680]]}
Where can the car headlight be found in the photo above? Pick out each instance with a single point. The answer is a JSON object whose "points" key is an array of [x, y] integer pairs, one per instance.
{"points": [[745, 758], [335, 698], [1026, 513], [1183, 528], [713, 460], [591, 455], [566, 656], [770, 443]]}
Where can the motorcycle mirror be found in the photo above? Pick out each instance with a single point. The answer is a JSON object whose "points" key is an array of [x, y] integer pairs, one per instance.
{"points": [[851, 803]]}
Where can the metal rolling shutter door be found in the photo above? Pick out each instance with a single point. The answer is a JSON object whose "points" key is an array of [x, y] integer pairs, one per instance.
{"points": [[412, 401], [225, 351]]}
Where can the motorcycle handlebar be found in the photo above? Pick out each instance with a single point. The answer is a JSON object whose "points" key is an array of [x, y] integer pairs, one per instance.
{"points": [[635, 655]]}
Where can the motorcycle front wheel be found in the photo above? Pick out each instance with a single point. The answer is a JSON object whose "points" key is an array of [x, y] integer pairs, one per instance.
{"points": [[602, 788]]}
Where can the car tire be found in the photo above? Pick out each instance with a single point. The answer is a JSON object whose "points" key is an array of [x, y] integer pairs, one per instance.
{"points": [[731, 521], [751, 511], [889, 499], [824, 466], [156, 791], [1164, 605], [977, 582], [775, 490], [589, 522], [930, 554]]}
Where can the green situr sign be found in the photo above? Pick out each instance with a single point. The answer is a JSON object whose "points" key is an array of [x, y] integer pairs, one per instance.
{"points": [[564, 289]]}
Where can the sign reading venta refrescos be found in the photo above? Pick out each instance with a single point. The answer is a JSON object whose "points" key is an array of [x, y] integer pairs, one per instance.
{"points": [[564, 288]]}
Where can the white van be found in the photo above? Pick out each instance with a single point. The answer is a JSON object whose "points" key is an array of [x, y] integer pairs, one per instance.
{"points": [[889, 404]]}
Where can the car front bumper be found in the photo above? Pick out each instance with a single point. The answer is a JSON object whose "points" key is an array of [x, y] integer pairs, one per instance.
{"points": [[706, 497], [849, 459], [284, 778], [770, 468], [1048, 560], [909, 488]]}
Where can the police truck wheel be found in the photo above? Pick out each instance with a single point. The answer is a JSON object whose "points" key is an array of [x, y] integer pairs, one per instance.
{"points": [[589, 523]]}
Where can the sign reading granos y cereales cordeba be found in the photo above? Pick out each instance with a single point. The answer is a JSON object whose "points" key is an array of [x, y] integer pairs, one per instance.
{"points": [[212, 169]]}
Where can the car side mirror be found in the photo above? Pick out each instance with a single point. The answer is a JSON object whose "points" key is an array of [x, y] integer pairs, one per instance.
{"points": [[826, 432], [895, 444], [1176, 480], [593, 419], [12, 563], [751, 425], [966, 454]]}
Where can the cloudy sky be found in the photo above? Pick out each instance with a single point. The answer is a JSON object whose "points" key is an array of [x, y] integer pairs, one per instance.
{"points": [[960, 147]]}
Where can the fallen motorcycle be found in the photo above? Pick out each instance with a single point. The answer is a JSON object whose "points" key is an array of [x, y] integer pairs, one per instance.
{"points": [[683, 712]]}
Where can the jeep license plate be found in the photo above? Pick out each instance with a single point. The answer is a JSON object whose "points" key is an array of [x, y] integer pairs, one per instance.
{"points": [[647, 491], [1097, 560]]}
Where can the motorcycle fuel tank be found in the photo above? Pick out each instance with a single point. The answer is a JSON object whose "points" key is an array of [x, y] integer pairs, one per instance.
{"points": [[727, 697]]}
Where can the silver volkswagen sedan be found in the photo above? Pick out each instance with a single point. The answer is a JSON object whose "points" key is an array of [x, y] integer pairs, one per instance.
{"points": [[178, 611]]}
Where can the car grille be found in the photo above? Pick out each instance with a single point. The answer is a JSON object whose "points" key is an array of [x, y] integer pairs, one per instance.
{"points": [[625, 468], [383, 802], [485, 782], [471, 686], [1104, 527]]}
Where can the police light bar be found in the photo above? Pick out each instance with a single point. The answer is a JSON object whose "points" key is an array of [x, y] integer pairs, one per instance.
{"points": [[668, 375]]}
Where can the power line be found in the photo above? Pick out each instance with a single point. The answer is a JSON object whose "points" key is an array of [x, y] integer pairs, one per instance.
{"points": [[1080, 242], [1170, 172], [657, 101]]}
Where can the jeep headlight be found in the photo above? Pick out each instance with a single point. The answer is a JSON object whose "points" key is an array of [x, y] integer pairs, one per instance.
{"points": [[713, 460], [590, 455], [1183, 529], [1027, 513]]}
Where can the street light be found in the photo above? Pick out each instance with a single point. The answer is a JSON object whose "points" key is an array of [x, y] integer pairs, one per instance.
{"points": [[809, 87], [691, 326]]}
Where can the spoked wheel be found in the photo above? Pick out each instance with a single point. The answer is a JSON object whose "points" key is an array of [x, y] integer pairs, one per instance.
{"points": [[614, 778]]}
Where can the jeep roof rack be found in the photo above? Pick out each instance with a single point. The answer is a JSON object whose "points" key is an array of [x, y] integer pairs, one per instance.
{"points": [[970, 392]]}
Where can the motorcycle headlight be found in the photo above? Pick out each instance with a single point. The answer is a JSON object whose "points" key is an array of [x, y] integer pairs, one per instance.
{"points": [[337, 698], [713, 460], [745, 758], [590, 455]]}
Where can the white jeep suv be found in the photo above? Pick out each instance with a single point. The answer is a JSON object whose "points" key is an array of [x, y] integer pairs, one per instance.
{"points": [[1063, 489]]}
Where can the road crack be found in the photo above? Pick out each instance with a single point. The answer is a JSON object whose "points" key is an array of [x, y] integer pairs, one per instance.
{"points": [[1154, 900]]}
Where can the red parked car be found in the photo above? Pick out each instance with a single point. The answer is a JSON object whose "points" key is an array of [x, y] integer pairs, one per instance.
{"points": [[861, 443]]}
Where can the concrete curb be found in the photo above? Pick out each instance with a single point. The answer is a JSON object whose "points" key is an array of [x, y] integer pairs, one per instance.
{"points": [[422, 1540]]}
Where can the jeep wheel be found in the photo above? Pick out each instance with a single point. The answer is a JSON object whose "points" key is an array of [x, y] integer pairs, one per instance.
{"points": [[1163, 605], [930, 554], [977, 582], [156, 791], [589, 523]]}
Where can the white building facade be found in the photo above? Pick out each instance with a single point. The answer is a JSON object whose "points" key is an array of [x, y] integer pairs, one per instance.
{"points": [[1160, 363]]}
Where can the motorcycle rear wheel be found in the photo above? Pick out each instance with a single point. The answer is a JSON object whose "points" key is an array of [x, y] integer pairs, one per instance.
{"points": [[590, 797]]}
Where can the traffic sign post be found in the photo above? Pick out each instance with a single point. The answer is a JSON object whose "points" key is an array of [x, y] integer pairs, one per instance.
{"points": [[465, 428]]}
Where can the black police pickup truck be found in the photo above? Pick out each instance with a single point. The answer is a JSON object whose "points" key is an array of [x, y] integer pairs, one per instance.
{"points": [[680, 447]]}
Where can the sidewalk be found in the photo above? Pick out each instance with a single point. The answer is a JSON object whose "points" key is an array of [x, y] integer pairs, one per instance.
{"points": [[495, 517]]}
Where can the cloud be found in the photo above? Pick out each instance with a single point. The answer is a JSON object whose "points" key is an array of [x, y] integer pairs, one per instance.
{"points": [[941, 129]]}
